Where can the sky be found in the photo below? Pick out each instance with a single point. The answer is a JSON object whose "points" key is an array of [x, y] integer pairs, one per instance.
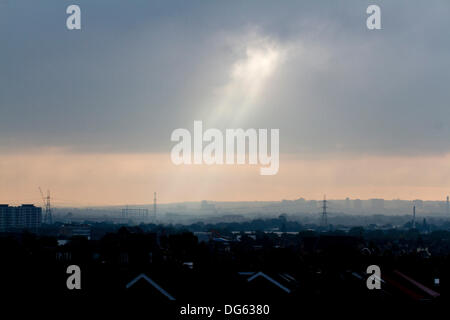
{"points": [[89, 113]]}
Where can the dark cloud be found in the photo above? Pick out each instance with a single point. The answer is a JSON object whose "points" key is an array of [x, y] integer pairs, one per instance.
{"points": [[139, 69]]}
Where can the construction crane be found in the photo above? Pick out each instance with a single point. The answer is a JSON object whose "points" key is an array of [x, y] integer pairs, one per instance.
{"points": [[48, 211]]}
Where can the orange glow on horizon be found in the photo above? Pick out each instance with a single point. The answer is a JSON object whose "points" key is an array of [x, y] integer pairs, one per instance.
{"points": [[88, 179]]}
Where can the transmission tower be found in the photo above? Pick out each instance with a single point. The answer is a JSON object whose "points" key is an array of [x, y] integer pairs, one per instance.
{"points": [[48, 219], [324, 220]]}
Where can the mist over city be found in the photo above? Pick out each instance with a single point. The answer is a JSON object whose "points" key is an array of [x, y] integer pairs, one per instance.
{"points": [[215, 159]]}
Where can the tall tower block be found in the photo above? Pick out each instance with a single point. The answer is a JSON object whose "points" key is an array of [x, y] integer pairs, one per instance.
{"points": [[154, 206], [447, 207], [324, 219]]}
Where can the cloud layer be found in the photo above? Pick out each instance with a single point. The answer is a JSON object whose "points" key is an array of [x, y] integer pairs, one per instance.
{"points": [[136, 72], [113, 92]]}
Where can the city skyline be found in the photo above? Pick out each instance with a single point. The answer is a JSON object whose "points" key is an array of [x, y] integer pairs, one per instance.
{"points": [[226, 158]]}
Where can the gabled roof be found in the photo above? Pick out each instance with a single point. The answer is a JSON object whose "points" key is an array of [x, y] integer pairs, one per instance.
{"points": [[261, 274], [153, 283]]}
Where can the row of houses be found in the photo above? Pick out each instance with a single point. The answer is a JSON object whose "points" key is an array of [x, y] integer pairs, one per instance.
{"points": [[274, 286]]}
